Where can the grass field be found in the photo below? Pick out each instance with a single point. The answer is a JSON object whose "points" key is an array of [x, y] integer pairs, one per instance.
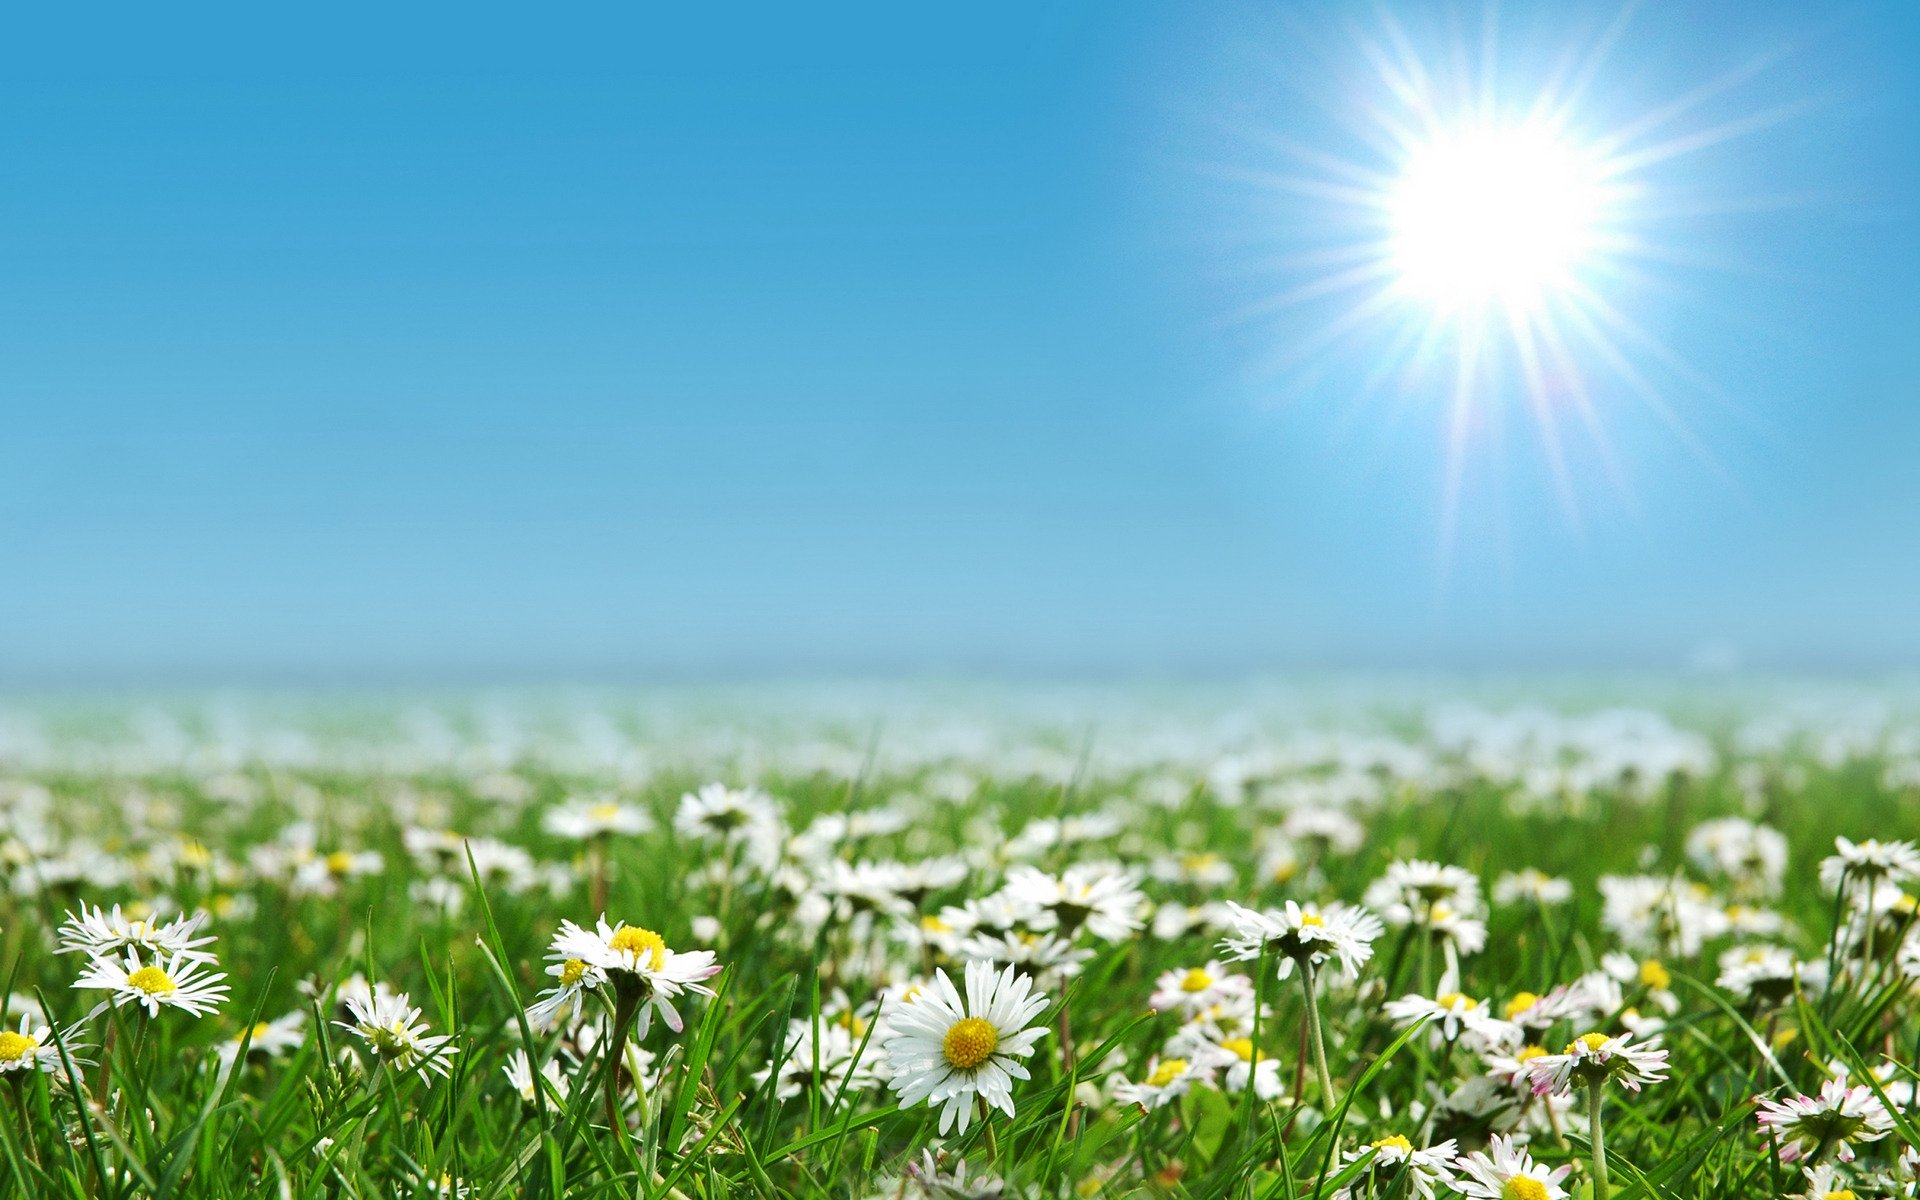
{"points": [[1245, 947]]}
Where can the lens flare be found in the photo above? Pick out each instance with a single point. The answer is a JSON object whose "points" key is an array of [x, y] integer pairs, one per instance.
{"points": [[1467, 233]]}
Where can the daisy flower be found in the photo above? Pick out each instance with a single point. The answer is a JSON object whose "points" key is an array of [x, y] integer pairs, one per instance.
{"points": [[946, 1051], [393, 1031], [1167, 1080], [174, 981], [1768, 974], [1507, 1172], [1396, 1164], [1451, 1015], [1825, 1182], [1105, 902], [834, 1060], [582, 818], [100, 933], [1753, 857], [718, 811], [519, 1073], [573, 979], [1593, 1057], [1297, 933], [1835, 1119], [1195, 990], [1244, 1064], [642, 969], [267, 1039], [1412, 888], [1531, 886], [29, 1048], [1871, 860]]}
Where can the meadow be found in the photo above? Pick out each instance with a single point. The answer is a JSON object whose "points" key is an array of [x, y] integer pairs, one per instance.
{"points": [[848, 946]]}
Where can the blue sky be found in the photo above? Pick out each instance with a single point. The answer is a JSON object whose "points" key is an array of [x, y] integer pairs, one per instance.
{"points": [[472, 343]]}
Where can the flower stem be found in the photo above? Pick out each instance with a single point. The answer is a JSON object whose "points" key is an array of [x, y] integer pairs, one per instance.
{"points": [[1596, 1093], [1327, 1098], [624, 1010]]}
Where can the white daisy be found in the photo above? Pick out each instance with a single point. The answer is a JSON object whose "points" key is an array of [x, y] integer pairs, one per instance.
{"points": [[1452, 1015], [1413, 888], [167, 982], [1529, 885], [1835, 1119], [1394, 1163], [834, 1060], [1194, 990], [720, 812], [1297, 933], [1869, 860], [519, 1073], [1166, 1080], [100, 933], [394, 1033], [639, 965], [573, 979], [1243, 1064], [1106, 902], [267, 1039], [1508, 1172], [1594, 1056], [29, 1048], [945, 1051], [1768, 974], [581, 818]]}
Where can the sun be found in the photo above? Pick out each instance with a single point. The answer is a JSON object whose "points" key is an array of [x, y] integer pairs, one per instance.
{"points": [[1490, 215]]}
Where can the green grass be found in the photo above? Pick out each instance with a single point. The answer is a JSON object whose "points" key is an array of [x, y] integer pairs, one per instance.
{"points": [[153, 1116]]}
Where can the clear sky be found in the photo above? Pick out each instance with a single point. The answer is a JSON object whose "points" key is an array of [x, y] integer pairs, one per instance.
{"points": [[388, 341]]}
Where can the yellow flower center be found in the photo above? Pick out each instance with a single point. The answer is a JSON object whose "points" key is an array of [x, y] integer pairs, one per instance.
{"points": [[1842, 1194], [1530, 1053], [969, 1043], [1240, 1046], [934, 925], [259, 1031], [631, 939], [1396, 1142], [153, 981], [1455, 1000], [339, 862], [1198, 862], [604, 812], [1312, 918], [1520, 1187], [852, 1022], [1521, 1002], [571, 972], [1167, 1072], [15, 1047], [1195, 980], [194, 854], [1655, 976], [1592, 1041]]}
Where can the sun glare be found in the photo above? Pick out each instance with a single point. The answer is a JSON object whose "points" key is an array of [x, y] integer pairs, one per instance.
{"points": [[1493, 215], [1472, 238]]}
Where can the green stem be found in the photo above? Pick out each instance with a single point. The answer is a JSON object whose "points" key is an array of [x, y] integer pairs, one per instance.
{"points": [[1327, 1098], [1596, 1093], [623, 1014]]}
